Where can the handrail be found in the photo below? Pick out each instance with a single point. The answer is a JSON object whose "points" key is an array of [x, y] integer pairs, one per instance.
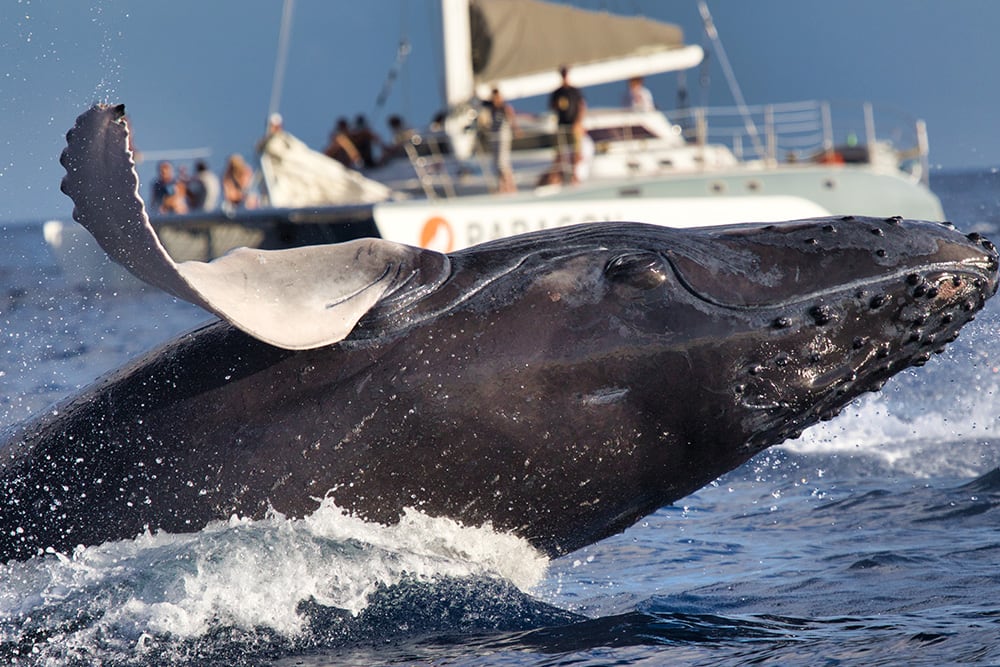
{"points": [[806, 130], [425, 154]]}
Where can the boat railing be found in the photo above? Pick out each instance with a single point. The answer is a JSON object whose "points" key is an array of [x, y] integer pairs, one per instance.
{"points": [[812, 131], [427, 153]]}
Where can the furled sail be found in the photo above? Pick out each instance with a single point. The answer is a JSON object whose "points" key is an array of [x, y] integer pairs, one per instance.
{"points": [[519, 45], [298, 176]]}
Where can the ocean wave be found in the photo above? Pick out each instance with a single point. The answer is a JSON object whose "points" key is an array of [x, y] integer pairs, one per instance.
{"points": [[274, 578]]}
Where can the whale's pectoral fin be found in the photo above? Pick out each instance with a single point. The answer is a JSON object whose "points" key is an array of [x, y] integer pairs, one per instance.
{"points": [[297, 299], [104, 186], [311, 296]]}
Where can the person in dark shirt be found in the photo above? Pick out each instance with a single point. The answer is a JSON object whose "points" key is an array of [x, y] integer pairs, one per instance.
{"points": [[569, 106], [365, 140], [401, 134], [202, 188], [341, 148]]}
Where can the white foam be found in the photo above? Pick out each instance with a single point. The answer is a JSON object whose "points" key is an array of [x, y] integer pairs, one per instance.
{"points": [[251, 574], [945, 438]]}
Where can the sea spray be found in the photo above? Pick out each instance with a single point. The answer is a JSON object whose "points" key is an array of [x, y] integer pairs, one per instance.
{"points": [[242, 575]]}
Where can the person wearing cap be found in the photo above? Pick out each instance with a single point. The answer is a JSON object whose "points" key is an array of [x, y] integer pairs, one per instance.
{"points": [[275, 125]]}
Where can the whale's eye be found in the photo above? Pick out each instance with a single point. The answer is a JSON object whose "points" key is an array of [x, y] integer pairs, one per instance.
{"points": [[642, 270]]}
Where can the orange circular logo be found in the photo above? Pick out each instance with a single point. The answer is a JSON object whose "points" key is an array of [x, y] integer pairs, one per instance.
{"points": [[436, 234]]}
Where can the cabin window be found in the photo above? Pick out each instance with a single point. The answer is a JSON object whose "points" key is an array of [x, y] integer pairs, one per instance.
{"points": [[600, 134]]}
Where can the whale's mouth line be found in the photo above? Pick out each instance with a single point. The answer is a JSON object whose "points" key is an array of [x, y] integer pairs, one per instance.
{"points": [[975, 268]]}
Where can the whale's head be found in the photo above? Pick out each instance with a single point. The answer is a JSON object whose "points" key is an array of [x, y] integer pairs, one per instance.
{"points": [[821, 311], [771, 327]]}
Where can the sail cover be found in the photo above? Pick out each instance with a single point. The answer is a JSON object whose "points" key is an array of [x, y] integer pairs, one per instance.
{"points": [[298, 176], [519, 45]]}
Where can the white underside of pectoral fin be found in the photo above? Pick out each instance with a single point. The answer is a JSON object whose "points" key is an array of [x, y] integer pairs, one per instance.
{"points": [[300, 298]]}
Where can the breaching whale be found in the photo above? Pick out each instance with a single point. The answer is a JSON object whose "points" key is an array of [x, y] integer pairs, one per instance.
{"points": [[558, 385]]}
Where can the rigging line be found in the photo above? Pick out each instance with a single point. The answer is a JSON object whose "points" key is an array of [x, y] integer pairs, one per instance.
{"points": [[727, 69], [284, 39], [402, 52], [434, 21]]}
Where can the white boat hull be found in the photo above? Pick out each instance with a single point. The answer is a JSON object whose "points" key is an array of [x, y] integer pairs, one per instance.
{"points": [[452, 225]]}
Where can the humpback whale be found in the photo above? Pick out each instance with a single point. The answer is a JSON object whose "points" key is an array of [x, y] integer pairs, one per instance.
{"points": [[558, 385]]}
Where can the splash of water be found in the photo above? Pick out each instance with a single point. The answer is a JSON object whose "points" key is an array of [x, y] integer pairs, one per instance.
{"points": [[245, 575]]}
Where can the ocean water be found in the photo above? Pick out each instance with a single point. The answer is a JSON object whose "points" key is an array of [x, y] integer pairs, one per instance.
{"points": [[872, 540]]}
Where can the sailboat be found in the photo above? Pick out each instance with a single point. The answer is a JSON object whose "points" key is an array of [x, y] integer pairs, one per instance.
{"points": [[691, 167]]}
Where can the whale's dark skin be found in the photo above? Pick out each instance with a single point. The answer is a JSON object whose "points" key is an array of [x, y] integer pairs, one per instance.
{"points": [[559, 385]]}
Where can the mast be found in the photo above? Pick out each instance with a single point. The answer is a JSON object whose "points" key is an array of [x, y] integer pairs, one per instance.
{"points": [[281, 62], [458, 79], [457, 52]]}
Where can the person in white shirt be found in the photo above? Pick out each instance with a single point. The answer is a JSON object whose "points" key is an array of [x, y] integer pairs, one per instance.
{"points": [[638, 97]]}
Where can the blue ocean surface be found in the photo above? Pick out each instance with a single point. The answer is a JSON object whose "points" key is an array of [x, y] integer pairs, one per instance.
{"points": [[871, 540]]}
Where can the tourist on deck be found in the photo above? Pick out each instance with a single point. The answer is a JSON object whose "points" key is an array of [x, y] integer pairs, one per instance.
{"points": [[569, 106], [275, 127], [168, 191], [401, 136], [501, 124], [638, 97], [341, 148], [236, 181], [202, 188], [365, 140], [275, 124]]}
